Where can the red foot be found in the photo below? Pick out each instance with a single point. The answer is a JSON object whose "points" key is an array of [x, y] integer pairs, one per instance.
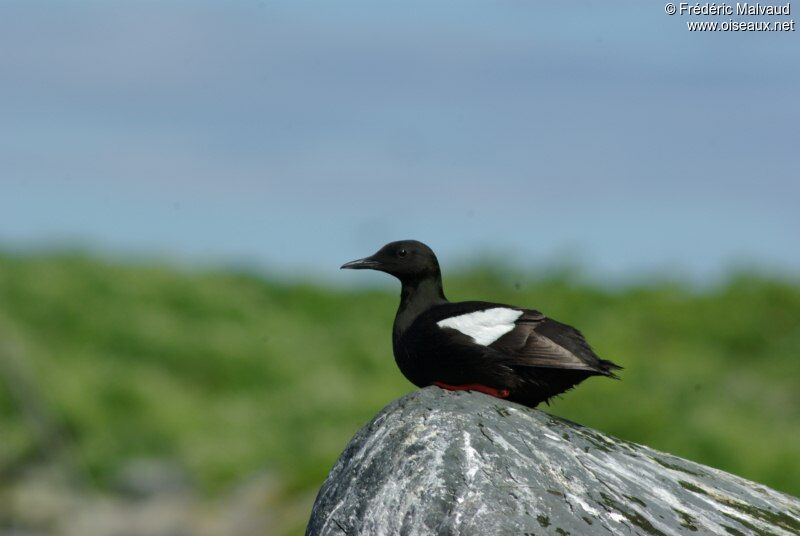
{"points": [[499, 393]]}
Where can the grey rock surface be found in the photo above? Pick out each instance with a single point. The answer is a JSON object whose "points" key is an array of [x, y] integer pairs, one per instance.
{"points": [[439, 462]]}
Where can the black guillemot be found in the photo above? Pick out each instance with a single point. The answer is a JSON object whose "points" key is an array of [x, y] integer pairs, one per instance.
{"points": [[501, 350]]}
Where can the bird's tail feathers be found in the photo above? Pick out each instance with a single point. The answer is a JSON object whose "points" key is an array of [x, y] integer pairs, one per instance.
{"points": [[607, 368]]}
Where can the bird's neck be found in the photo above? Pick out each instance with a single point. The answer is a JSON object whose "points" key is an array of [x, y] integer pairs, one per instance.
{"points": [[416, 297]]}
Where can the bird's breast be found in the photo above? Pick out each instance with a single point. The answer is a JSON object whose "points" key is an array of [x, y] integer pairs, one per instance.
{"points": [[410, 362]]}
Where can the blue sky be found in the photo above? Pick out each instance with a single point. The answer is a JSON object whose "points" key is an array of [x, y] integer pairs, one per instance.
{"points": [[298, 135]]}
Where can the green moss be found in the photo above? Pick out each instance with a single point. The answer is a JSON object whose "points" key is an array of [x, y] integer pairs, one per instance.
{"points": [[636, 500], [750, 527], [687, 521], [777, 519], [733, 531], [691, 487], [675, 467], [631, 515]]}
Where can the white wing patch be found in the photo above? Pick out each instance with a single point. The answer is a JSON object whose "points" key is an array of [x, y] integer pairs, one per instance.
{"points": [[485, 326]]}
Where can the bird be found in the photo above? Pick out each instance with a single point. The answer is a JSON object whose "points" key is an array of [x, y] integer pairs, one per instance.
{"points": [[504, 351]]}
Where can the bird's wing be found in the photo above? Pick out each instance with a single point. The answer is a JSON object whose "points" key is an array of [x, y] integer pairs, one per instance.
{"points": [[519, 337], [483, 323], [538, 341]]}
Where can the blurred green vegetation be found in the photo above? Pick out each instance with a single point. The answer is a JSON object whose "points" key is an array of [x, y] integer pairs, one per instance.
{"points": [[231, 373]]}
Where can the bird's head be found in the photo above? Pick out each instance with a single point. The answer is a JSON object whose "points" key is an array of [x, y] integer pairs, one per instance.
{"points": [[406, 260]]}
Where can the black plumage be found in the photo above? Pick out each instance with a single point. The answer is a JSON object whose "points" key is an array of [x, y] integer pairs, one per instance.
{"points": [[502, 350]]}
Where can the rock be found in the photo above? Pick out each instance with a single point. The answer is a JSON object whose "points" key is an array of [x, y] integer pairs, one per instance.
{"points": [[44, 500], [439, 462], [146, 477]]}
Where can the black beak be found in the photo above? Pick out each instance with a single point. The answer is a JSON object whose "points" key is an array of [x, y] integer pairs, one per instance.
{"points": [[367, 263]]}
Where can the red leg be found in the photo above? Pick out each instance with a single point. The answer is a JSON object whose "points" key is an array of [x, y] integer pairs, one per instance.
{"points": [[499, 393]]}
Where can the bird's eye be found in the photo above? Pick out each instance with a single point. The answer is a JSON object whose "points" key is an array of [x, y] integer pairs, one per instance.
{"points": [[402, 253]]}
